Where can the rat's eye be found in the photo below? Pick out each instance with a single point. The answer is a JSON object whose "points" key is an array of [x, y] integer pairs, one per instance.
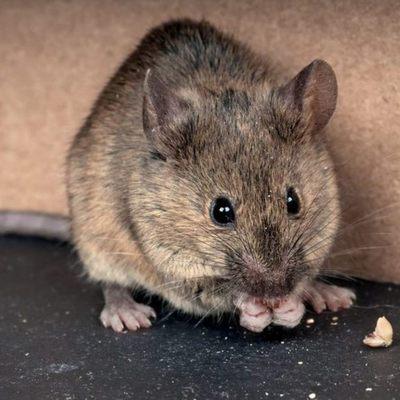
{"points": [[292, 202], [222, 211]]}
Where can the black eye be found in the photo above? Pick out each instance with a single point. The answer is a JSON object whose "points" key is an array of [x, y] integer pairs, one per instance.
{"points": [[292, 202], [222, 211]]}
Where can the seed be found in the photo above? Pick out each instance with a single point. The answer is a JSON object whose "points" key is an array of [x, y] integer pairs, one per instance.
{"points": [[382, 336]]}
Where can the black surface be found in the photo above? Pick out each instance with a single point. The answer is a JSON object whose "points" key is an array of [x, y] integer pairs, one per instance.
{"points": [[52, 346]]}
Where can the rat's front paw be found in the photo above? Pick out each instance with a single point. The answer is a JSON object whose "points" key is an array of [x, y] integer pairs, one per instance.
{"points": [[289, 312], [254, 314], [323, 296], [122, 312]]}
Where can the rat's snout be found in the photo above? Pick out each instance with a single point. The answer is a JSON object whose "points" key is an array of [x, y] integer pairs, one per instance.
{"points": [[267, 281]]}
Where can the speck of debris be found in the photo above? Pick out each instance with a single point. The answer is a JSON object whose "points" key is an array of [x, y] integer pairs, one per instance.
{"points": [[310, 321], [282, 342], [368, 389], [27, 354], [61, 368], [335, 318], [333, 323], [312, 396], [24, 321], [300, 362]]}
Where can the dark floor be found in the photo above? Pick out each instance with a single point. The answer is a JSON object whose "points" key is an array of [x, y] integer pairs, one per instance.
{"points": [[52, 346]]}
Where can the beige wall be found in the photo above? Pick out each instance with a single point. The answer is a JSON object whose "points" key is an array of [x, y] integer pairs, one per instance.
{"points": [[57, 55]]}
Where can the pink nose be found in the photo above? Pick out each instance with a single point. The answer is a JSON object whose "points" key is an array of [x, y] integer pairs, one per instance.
{"points": [[264, 281]]}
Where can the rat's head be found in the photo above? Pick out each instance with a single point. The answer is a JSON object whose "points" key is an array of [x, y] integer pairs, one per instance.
{"points": [[241, 184]]}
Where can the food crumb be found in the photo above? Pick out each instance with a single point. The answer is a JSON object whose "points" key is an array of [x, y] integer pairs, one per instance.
{"points": [[312, 396], [335, 318], [334, 323], [382, 336], [310, 321]]}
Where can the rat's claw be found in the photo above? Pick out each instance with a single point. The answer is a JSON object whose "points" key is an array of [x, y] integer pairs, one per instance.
{"points": [[122, 312], [146, 310], [123, 318], [323, 296], [289, 312]]}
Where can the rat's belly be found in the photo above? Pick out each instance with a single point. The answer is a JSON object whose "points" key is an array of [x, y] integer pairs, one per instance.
{"points": [[199, 302]]}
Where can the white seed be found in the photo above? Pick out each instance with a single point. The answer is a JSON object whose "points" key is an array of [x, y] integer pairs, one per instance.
{"points": [[312, 396], [335, 318], [382, 336], [310, 321]]}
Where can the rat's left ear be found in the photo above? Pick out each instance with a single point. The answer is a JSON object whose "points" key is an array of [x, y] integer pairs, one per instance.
{"points": [[313, 93]]}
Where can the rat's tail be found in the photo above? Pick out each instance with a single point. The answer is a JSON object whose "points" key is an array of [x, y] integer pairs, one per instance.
{"points": [[49, 226]]}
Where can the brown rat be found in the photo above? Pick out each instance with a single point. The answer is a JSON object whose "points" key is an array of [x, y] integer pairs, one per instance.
{"points": [[199, 178]]}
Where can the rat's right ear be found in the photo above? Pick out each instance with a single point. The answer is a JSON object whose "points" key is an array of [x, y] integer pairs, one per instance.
{"points": [[312, 93], [163, 110]]}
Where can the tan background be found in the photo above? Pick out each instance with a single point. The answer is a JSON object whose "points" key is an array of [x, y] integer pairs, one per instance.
{"points": [[57, 55]]}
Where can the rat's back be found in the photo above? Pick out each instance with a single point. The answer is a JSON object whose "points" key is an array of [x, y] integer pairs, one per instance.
{"points": [[188, 52]]}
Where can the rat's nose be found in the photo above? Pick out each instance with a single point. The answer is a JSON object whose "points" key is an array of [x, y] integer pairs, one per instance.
{"points": [[265, 281]]}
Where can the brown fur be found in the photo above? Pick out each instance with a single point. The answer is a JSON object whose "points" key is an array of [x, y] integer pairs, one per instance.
{"points": [[209, 119]]}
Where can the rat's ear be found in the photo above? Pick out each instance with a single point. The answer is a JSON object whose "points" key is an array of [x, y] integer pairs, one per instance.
{"points": [[162, 112], [313, 93]]}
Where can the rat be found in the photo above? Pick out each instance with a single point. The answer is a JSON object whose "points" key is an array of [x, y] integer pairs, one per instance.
{"points": [[203, 178]]}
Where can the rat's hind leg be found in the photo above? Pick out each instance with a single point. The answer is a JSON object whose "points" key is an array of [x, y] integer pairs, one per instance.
{"points": [[323, 296], [121, 312]]}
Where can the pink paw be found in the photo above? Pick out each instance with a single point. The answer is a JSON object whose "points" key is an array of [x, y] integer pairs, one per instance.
{"points": [[122, 312], [127, 316], [289, 312], [323, 296], [254, 314]]}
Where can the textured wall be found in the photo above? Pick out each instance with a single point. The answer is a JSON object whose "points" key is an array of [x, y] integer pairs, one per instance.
{"points": [[57, 55]]}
